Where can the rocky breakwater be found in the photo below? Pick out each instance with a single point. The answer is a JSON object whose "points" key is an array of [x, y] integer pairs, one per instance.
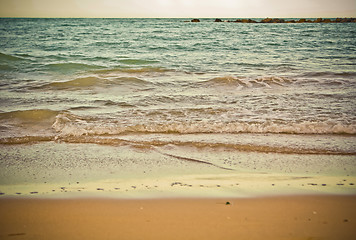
{"points": [[302, 20], [281, 20]]}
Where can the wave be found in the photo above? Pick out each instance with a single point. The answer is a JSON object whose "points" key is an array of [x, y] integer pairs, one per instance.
{"points": [[248, 82], [89, 82], [133, 70], [77, 83], [19, 124], [106, 44], [6, 67], [70, 67], [63, 126], [69, 125], [34, 115], [7, 57], [130, 81], [226, 80], [82, 108], [64, 123], [137, 61], [113, 103], [330, 74], [155, 144], [24, 55]]}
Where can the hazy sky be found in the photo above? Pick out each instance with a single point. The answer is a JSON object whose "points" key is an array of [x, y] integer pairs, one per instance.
{"points": [[178, 8]]}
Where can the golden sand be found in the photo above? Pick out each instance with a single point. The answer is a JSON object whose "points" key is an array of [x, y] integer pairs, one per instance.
{"points": [[291, 217]]}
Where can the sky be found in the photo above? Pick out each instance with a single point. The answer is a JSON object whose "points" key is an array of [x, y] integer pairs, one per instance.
{"points": [[178, 8]]}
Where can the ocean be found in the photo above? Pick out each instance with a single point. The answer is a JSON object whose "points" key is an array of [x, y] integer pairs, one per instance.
{"points": [[132, 95]]}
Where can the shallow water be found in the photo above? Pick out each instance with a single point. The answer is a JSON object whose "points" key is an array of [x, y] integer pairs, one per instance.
{"points": [[158, 84]]}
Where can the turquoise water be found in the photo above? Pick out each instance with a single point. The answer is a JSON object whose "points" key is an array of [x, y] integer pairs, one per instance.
{"points": [[163, 81]]}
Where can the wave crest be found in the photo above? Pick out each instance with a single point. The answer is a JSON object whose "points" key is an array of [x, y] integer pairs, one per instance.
{"points": [[248, 82], [89, 82], [70, 67], [35, 115], [70, 125], [330, 74], [132, 70], [7, 57], [137, 61]]}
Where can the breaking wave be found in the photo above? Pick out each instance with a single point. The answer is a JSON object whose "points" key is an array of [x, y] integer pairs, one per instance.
{"points": [[48, 125], [35, 115], [248, 82], [16, 125], [70, 125], [64, 123]]}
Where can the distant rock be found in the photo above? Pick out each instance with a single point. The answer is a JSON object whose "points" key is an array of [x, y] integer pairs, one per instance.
{"points": [[266, 20], [320, 20], [244, 21], [278, 20], [248, 21], [281, 20], [273, 20], [345, 20], [302, 20]]}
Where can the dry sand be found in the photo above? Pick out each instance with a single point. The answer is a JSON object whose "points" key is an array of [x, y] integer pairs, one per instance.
{"points": [[288, 217]]}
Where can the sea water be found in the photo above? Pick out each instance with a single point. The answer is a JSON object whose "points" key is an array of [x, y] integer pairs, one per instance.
{"points": [[164, 84]]}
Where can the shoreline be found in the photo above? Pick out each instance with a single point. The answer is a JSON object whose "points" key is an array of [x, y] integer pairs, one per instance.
{"points": [[282, 217], [178, 171]]}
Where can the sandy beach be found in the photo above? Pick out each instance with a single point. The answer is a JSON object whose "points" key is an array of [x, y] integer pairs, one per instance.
{"points": [[155, 128], [289, 217]]}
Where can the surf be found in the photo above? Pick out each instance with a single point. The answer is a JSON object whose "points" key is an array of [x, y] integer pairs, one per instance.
{"points": [[93, 81]]}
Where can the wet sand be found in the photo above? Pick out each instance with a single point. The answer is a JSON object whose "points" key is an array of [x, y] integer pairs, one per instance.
{"points": [[48, 170], [288, 217]]}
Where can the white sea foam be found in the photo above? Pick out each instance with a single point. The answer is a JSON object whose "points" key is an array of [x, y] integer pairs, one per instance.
{"points": [[248, 82], [69, 125]]}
